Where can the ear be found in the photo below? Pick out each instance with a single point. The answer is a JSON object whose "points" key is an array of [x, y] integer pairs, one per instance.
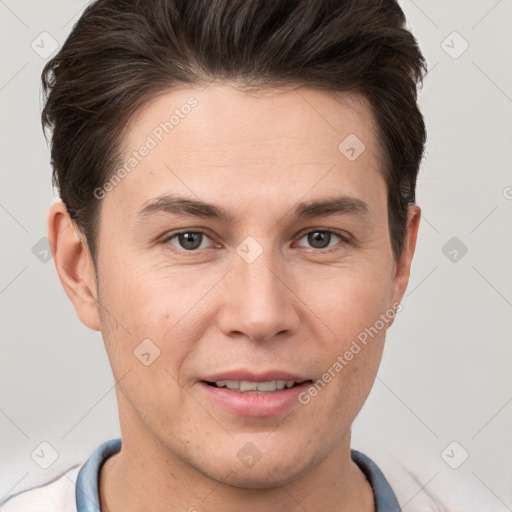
{"points": [[74, 265], [404, 261]]}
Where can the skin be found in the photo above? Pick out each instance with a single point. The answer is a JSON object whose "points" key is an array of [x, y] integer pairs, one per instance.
{"points": [[295, 308]]}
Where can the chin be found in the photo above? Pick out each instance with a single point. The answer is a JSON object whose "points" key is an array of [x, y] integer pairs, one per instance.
{"points": [[266, 473], [258, 480]]}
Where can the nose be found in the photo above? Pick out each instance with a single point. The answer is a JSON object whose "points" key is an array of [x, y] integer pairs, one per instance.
{"points": [[258, 301]]}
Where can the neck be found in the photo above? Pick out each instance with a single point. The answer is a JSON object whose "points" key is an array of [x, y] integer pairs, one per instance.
{"points": [[144, 476]]}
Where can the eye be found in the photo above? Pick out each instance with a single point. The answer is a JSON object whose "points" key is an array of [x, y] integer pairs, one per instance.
{"points": [[188, 240], [321, 238], [192, 241]]}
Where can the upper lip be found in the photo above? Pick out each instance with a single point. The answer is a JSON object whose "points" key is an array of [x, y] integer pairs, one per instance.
{"points": [[255, 376]]}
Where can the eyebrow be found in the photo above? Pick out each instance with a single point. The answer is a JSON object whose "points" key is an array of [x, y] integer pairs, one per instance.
{"points": [[172, 204]]}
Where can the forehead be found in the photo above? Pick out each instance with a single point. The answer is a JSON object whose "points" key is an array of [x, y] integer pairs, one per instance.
{"points": [[220, 114], [221, 139]]}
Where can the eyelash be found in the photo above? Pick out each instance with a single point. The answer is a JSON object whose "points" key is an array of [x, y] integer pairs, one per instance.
{"points": [[344, 239]]}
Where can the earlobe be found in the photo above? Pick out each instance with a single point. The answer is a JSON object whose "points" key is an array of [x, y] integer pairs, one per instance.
{"points": [[74, 265], [404, 261]]}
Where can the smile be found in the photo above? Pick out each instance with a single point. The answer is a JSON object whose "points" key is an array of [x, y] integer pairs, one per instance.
{"points": [[245, 386]]}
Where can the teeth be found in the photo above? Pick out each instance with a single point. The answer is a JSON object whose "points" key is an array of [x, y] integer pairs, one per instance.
{"points": [[262, 387], [245, 385]]}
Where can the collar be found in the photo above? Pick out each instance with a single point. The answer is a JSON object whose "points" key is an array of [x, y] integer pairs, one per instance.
{"points": [[87, 495]]}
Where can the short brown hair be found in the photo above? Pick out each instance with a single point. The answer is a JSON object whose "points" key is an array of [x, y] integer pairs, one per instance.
{"points": [[122, 53]]}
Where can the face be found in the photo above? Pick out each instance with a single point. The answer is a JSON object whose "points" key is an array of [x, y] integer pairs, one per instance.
{"points": [[245, 244]]}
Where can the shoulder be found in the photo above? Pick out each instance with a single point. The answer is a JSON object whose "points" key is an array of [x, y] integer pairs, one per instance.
{"points": [[432, 486], [69, 491], [55, 496]]}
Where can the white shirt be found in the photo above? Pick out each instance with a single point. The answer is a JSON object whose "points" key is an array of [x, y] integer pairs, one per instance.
{"points": [[76, 490]]}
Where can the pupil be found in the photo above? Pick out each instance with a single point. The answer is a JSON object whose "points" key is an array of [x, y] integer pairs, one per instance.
{"points": [[316, 238], [189, 240]]}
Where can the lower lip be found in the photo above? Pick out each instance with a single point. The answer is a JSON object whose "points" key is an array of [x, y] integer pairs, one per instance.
{"points": [[255, 404]]}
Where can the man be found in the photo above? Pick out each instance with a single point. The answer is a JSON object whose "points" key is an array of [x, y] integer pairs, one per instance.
{"points": [[238, 220]]}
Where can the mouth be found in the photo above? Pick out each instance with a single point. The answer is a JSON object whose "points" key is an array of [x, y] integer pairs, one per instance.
{"points": [[251, 387], [254, 398]]}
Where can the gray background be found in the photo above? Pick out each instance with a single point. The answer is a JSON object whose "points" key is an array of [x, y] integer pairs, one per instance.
{"points": [[446, 371]]}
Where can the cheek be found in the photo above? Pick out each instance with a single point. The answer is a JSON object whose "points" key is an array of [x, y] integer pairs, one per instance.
{"points": [[151, 299], [348, 301], [166, 306], [353, 311]]}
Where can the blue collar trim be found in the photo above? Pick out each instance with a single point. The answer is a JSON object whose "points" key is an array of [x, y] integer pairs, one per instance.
{"points": [[87, 495]]}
